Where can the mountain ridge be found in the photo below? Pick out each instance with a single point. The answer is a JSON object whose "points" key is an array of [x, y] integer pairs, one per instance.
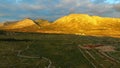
{"points": [[80, 24]]}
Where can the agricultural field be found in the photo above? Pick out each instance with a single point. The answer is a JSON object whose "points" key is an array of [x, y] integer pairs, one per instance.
{"points": [[40, 50]]}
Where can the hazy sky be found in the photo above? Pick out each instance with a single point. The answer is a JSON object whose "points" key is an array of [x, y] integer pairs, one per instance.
{"points": [[53, 9]]}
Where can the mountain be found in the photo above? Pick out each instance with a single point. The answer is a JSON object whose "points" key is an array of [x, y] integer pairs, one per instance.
{"points": [[25, 25], [75, 23], [1, 24], [86, 22], [42, 22], [9, 22], [83, 24], [20, 24], [80, 24]]}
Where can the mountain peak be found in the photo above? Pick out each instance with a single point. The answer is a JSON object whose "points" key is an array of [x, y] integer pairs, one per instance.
{"points": [[24, 23], [78, 15], [83, 19], [20, 24]]}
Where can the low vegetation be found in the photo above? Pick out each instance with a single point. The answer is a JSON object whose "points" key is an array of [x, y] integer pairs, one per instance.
{"points": [[40, 50]]}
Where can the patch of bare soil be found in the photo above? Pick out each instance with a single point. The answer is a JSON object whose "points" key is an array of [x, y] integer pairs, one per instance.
{"points": [[106, 48], [100, 47]]}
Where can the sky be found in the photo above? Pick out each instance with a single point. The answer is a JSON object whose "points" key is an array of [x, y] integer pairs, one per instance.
{"points": [[11, 10]]}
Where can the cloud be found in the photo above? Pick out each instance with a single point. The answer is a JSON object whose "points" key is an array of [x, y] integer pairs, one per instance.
{"points": [[52, 9], [31, 7], [117, 7]]}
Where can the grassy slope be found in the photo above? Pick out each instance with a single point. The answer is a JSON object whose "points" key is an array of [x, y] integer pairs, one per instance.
{"points": [[62, 50]]}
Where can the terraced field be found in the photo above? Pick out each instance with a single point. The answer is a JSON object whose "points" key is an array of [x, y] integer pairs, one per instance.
{"points": [[35, 50]]}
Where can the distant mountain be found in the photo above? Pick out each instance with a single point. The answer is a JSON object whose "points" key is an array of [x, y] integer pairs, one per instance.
{"points": [[75, 23], [80, 24], [9, 22], [83, 24], [1, 24], [25, 25], [86, 22], [42, 22], [20, 24]]}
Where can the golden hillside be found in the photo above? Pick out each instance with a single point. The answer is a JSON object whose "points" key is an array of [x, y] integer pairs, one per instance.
{"points": [[1, 24], [75, 22], [80, 24], [85, 21], [42, 22], [25, 25], [20, 24], [84, 24]]}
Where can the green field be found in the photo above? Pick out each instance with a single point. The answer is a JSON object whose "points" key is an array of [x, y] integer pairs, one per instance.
{"points": [[37, 50]]}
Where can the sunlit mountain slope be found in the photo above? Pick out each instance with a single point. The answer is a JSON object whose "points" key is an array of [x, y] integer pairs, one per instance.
{"points": [[80, 24], [25, 25], [20, 24], [84, 24]]}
